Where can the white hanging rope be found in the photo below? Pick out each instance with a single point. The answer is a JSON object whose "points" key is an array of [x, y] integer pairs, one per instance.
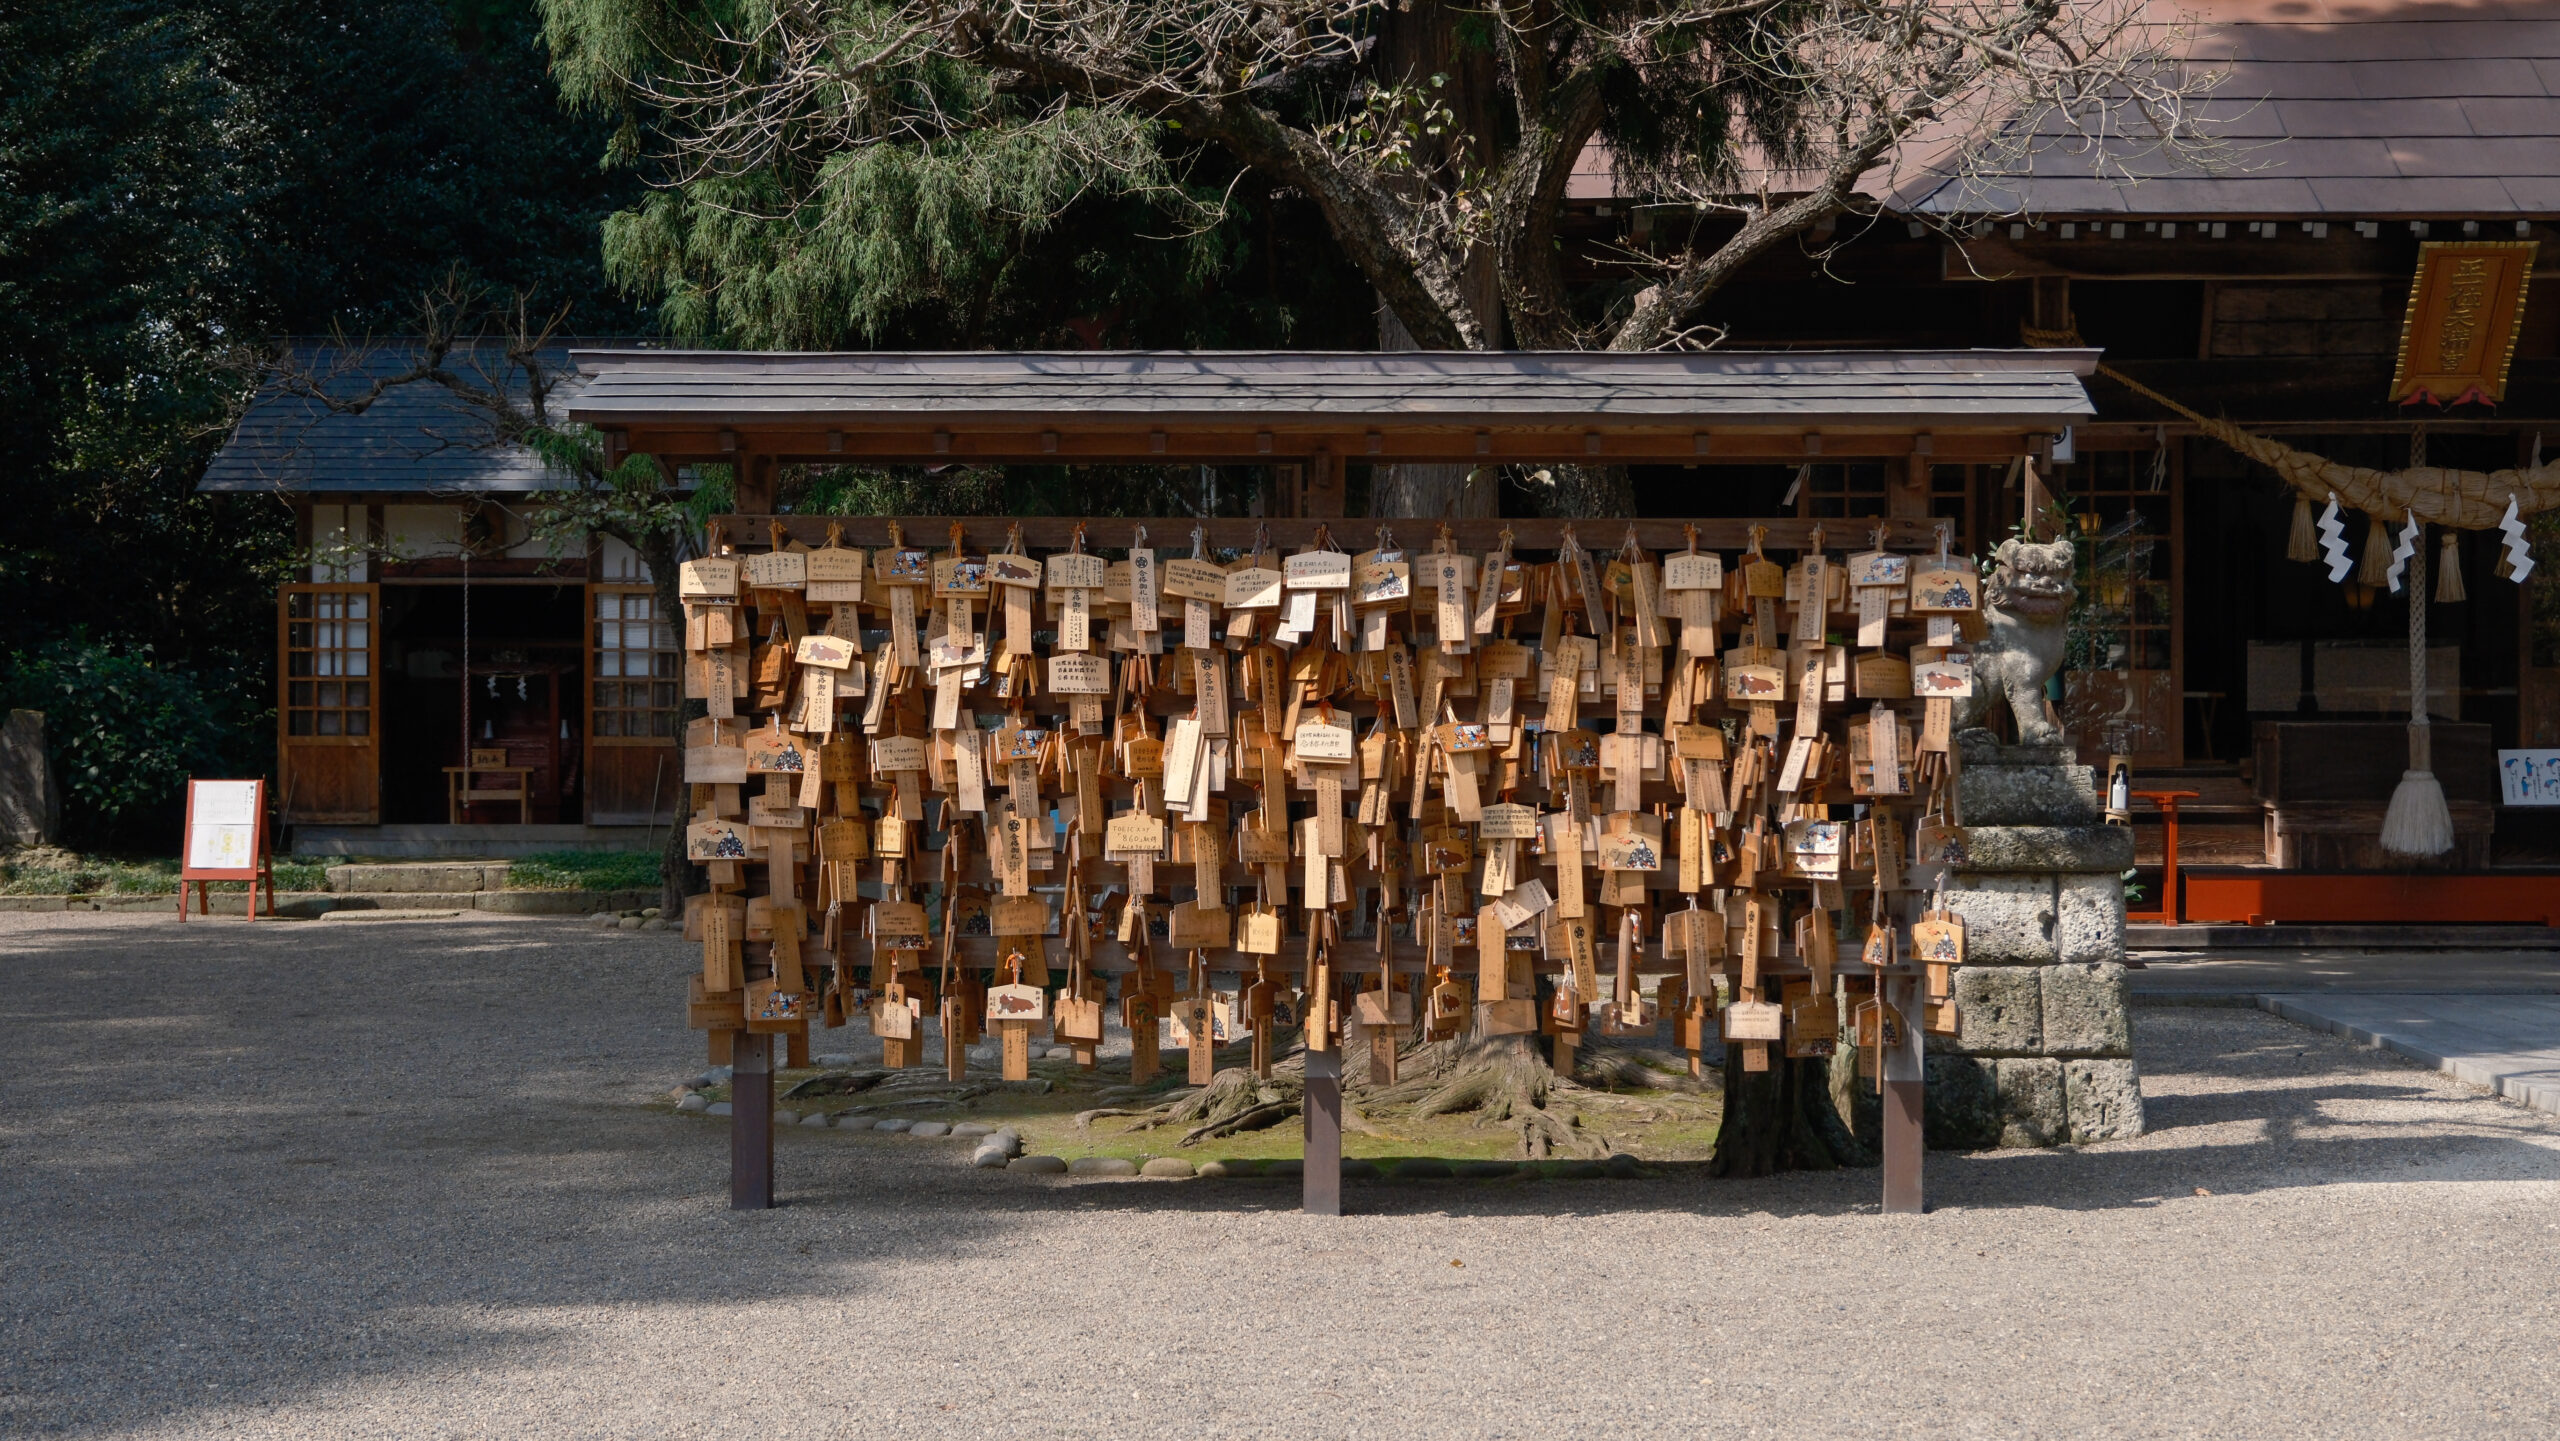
{"points": [[2419, 824], [466, 658], [2417, 639]]}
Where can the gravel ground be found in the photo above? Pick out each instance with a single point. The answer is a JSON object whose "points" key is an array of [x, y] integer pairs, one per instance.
{"points": [[380, 1178]]}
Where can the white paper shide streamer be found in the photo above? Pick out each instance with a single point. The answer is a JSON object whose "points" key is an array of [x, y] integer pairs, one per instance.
{"points": [[2333, 543], [2400, 553], [2519, 549]]}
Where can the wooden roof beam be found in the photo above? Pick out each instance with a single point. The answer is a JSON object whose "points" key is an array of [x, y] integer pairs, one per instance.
{"points": [[1158, 445]]}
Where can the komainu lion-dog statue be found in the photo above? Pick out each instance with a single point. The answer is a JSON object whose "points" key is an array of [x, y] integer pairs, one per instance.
{"points": [[2023, 608]]}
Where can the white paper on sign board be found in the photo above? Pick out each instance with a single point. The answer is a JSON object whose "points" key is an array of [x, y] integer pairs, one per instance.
{"points": [[222, 825], [225, 803], [2529, 777], [219, 848]]}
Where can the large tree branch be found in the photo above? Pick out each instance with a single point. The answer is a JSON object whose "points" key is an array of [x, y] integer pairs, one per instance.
{"points": [[1425, 290], [1661, 308], [1522, 55], [1529, 197]]}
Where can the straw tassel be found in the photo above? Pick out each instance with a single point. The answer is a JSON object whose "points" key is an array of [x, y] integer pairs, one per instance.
{"points": [[2375, 570], [2418, 824], [2303, 545], [2449, 570]]}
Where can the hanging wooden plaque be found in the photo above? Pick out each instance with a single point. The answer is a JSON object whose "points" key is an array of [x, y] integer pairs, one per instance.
{"points": [[2466, 303]]}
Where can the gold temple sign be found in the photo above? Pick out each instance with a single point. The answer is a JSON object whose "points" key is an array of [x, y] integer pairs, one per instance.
{"points": [[2460, 332]]}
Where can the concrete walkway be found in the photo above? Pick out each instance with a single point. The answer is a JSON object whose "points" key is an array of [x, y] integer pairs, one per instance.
{"points": [[2509, 1044], [2238, 977]]}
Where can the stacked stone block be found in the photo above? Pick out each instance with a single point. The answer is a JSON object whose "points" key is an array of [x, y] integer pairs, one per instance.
{"points": [[2044, 1049]]}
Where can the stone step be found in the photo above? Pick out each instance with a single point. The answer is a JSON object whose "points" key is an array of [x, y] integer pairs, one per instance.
{"points": [[2152, 936], [421, 876]]}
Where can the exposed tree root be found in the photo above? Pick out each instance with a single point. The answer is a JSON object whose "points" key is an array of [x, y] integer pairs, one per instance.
{"points": [[836, 1083], [1353, 1120], [1235, 1099], [1254, 1120], [1610, 1066], [1505, 1081]]}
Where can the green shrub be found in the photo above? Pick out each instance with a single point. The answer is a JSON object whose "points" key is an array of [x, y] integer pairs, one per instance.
{"points": [[124, 731]]}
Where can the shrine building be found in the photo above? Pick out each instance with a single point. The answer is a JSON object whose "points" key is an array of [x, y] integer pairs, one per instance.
{"points": [[2395, 184]]}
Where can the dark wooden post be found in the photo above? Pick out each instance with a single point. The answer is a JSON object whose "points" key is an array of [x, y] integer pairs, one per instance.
{"points": [[2039, 496], [751, 1123], [1324, 489], [1903, 1141], [1322, 1193], [1907, 496], [754, 492], [1281, 484]]}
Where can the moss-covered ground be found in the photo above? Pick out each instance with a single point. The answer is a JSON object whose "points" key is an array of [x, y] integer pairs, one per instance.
{"points": [[1649, 1123]]}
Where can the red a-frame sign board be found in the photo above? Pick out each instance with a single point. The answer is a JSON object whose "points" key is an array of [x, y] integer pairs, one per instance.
{"points": [[226, 840]]}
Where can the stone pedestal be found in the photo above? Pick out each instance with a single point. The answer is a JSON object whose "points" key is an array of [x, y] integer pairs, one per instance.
{"points": [[2044, 1050], [30, 803]]}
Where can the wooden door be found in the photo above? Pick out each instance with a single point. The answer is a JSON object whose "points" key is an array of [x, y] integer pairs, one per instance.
{"points": [[634, 773], [329, 704]]}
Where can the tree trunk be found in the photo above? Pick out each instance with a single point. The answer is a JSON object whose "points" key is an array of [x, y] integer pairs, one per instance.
{"points": [[677, 877], [1417, 42], [1433, 492], [1428, 492], [1592, 490], [1781, 1119]]}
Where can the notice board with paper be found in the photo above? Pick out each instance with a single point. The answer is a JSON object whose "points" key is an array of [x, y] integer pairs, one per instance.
{"points": [[225, 834]]}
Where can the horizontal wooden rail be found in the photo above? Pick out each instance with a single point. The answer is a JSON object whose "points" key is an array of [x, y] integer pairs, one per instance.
{"points": [[1138, 445], [1353, 956], [1476, 537]]}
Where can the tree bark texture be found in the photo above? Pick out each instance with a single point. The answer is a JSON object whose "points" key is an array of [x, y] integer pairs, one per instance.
{"points": [[1592, 490], [677, 876], [1781, 1119], [1428, 492]]}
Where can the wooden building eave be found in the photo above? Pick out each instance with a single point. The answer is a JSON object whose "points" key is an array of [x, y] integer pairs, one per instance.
{"points": [[1147, 445], [2288, 256], [1462, 407]]}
